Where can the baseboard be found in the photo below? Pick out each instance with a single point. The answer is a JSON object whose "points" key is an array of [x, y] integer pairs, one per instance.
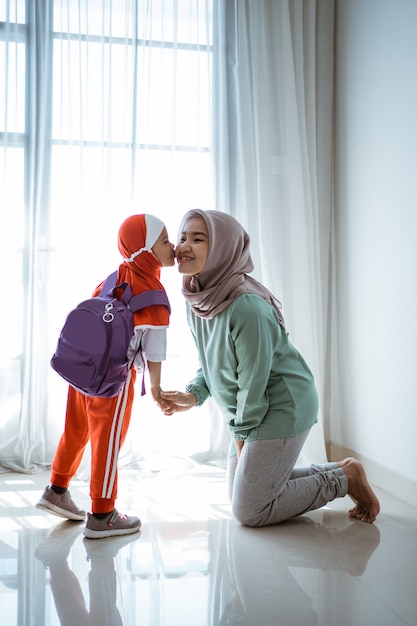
{"points": [[400, 487]]}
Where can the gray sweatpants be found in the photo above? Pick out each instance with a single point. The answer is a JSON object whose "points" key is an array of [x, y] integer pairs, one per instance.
{"points": [[265, 488]]}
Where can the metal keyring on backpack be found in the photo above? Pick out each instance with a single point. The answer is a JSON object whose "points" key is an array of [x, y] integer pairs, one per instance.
{"points": [[108, 317]]}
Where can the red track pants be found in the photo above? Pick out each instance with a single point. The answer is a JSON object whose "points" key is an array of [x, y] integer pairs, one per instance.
{"points": [[103, 421]]}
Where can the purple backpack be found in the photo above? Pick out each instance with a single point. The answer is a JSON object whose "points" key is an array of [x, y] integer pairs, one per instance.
{"points": [[91, 353]]}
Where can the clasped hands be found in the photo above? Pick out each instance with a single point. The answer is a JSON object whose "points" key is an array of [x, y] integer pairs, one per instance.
{"points": [[172, 401]]}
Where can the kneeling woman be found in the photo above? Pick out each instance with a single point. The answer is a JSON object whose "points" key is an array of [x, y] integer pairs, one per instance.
{"points": [[261, 383]]}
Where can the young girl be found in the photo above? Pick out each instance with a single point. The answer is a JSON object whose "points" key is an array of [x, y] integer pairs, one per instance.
{"points": [[145, 247], [260, 381]]}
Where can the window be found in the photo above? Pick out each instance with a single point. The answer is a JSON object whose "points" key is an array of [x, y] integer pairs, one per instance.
{"points": [[104, 112]]}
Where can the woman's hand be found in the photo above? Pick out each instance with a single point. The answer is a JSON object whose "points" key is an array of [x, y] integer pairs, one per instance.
{"points": [[177, 401], [238, 445]]}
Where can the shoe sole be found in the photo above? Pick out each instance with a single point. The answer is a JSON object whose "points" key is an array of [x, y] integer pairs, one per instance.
{"points": [[101, 534], [44, 505]]}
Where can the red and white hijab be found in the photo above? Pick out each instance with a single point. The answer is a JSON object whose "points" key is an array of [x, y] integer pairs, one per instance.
{"points": [[141, 268]]}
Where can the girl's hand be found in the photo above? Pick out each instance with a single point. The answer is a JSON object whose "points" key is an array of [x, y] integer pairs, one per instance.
{"points": [[156, 395]]}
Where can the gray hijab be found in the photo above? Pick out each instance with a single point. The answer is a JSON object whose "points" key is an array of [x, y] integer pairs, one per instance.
{"points": [[225, 274]]}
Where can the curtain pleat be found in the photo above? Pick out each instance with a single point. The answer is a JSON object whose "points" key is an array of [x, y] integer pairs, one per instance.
{"points": [[26, 443]]}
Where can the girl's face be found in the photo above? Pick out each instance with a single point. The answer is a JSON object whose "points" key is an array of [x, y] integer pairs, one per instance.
{"points": [[163, 249], [192, 247]]}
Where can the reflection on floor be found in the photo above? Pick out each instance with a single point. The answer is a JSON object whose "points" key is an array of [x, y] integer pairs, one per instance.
{"points": [[192, 565]]}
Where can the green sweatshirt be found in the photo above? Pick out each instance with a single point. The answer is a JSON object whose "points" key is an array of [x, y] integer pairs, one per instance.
{"points": [[261, 383]]}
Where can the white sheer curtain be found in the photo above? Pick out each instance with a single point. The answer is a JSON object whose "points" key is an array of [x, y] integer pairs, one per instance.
{"points": [[273, 86], [104, 112]]}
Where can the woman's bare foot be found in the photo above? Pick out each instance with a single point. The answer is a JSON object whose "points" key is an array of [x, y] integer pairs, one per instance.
{"points": [[348, 459], [367, 504]]}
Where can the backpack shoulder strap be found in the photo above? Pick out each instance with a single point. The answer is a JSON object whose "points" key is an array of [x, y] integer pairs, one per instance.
{"points": [[141, 300], [110, 285], [149, 298]]}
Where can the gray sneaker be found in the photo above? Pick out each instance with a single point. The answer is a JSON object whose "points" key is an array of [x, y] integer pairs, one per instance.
{"points": [[60, 504], [114, 523]]}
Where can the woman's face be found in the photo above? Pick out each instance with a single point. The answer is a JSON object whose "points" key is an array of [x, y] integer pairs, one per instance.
{"points": [[192, 247]]}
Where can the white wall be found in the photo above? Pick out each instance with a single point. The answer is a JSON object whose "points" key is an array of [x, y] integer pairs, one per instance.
{"points": [[375, 413]]}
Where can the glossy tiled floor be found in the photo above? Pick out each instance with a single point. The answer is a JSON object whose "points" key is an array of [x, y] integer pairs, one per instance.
{"points": [[192, 565]]}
